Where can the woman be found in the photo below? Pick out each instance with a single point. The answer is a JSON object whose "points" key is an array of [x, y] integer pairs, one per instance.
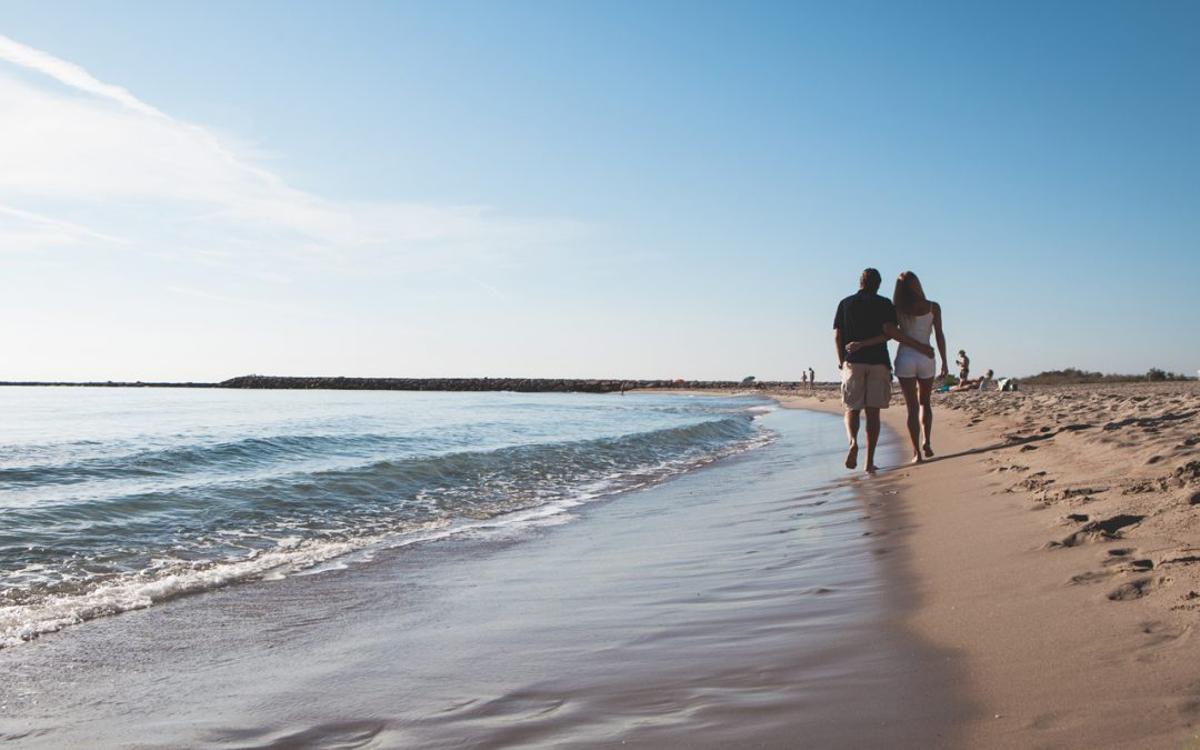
{"points": [[918, 318]]}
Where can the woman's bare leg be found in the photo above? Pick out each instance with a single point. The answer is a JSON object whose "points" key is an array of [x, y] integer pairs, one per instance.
{"points": [[908, 386], [924, 391]]}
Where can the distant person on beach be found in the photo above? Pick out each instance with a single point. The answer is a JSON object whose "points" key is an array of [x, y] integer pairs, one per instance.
{"points": [[919, 317], [986, 383], [812, 378], [804, 378], [862, 325], [964, 365]]}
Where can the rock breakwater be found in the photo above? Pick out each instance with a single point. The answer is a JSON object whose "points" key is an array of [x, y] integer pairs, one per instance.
{"points": [[521, 385]]}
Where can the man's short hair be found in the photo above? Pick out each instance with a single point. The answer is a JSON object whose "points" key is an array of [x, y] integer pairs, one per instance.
{"points": [[870, 280]]}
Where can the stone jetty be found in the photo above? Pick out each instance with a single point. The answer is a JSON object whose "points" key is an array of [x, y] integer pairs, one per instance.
{"points": [[521, 385]]}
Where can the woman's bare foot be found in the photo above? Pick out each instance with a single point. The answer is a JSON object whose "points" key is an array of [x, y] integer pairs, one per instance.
{"points": [[916, 459], [852, 456], [871, 468], [928, 451]]}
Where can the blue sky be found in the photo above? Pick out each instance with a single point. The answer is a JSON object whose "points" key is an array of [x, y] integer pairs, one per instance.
{"points": [[200, 190]]}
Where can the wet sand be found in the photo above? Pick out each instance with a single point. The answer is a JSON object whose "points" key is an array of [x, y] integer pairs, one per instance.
{"points": [[760, 602], [1055, 545]]}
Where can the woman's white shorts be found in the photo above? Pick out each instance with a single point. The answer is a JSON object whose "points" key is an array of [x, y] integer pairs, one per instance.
{"points": [[913, 364]]}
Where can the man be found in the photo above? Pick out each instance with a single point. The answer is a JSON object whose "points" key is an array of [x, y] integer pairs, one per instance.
{"points": [[867, 372], [812, 378], [964, 365]]}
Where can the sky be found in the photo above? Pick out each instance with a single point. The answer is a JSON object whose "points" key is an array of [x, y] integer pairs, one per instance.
{"points": [[196, 191]]}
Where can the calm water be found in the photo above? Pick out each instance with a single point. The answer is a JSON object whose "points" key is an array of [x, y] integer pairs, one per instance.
{"points": [[114, 499], [746, 603]]}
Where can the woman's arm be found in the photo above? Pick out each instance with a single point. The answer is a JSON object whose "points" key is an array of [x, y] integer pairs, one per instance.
{"points": [[893, 331], [941, 338]]}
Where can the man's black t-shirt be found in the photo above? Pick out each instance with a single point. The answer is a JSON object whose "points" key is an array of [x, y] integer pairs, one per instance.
{"points": [[861, 316]]}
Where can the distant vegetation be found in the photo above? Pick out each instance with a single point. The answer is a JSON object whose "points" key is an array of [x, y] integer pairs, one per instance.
{"points": [[1072, 375]]}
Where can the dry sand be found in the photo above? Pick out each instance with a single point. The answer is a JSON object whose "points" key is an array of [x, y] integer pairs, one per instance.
{"points": [[1055, 543]]}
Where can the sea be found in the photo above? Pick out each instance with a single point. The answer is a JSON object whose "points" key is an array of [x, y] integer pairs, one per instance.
{"points": [[348, 569], [118, 499]]}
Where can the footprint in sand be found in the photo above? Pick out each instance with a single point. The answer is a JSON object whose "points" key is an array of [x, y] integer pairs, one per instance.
{"points": [[1099, 576], [1189, 602], [1108, 528], [1092, 576], [1158, 634], [1182, 560], [1138, 588], [1083, 492]]}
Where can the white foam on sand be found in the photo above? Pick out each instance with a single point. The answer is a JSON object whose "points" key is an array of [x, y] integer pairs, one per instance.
{"points": [[20, 623]]}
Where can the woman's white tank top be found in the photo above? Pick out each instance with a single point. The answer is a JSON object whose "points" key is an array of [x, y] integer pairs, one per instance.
{"points": [[918, 327]]}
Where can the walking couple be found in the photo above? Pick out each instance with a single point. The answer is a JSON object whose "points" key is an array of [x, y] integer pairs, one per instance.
{"points": [[861, 329]]}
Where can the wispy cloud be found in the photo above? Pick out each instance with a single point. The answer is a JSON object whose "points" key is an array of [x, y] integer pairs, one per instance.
{"points": [[34, 225], [69, 74], [491, 289], [83, 160]]}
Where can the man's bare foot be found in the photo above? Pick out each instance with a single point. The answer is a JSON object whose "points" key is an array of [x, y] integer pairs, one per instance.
{"points": [[872, 468], [928, 451], [852, 456], [916, 459]]}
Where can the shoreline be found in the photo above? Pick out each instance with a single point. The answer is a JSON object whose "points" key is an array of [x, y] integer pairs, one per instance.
{"points": [[742, 604], [1053, 547]]}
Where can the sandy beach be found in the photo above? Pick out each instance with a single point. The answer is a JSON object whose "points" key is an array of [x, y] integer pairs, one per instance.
{"points": [[1054, 545]]}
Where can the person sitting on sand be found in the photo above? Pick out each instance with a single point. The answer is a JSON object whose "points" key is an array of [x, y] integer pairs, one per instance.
{"points": [[986, 383], [867, 370], [964, 365]]}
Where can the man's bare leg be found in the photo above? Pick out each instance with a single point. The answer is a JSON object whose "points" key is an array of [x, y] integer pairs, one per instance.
{"points": [[872, 437], [852, 436]]}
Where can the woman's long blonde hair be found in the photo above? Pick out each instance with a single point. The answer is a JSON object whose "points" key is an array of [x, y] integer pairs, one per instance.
{"points": [[908, 293]]}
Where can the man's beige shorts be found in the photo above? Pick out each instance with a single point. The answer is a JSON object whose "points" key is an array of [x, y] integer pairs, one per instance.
{"points": [[866, 385]]}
